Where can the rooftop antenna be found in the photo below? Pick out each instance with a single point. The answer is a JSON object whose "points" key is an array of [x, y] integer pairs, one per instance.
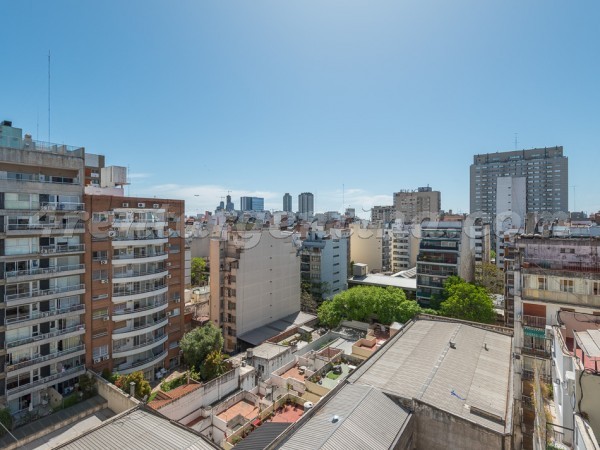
{"points": [[516, 140], [48, 95]]}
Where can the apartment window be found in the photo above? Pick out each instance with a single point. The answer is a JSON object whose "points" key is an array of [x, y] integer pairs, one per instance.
{"points": [[101, 274], [173, 345], [100, 313], [99, 217], [100, 255], [100, 351], [542, 283], [596, 288], [566, 285]]}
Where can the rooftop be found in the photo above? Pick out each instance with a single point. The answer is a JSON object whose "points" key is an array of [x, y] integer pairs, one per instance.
{"points": [[268, 350], [261, 334], [244, 408], [164, 398], [385, 281], [459, 367], [140, 429]]}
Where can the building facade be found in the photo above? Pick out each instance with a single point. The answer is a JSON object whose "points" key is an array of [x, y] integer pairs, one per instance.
{"points": [[405, 246], [383, 214], [415, 206], [136, 278], [287, 202], [546, 171], [306, 204], [252, 204], [324, 264], [42, 285]]}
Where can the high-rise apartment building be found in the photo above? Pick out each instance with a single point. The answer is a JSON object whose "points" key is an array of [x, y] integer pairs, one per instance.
{"points": [[254, 281], [383, 214], [405, 246], [135, 283], [42, 326], [546, 171], [306, 204], [325, 264], [422, 204], [287, 202], [252, 204]]}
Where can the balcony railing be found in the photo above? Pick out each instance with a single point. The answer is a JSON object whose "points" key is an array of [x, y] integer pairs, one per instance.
{"points": [[141, 362], [135, 256], [137, 238], [39, 178], [41, 337], [62, 206], [139, 273], [44, 314], [47, 379], [124, 292], [40, 293], [533, 321], [43, 271], [141, 327], [141, 309], [45, 226], [39, 359], [62, 248], [567, 266], [126, 348], [542, 353]]}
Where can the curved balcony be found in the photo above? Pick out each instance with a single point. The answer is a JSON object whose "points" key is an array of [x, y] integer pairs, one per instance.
{"points": [[128, 332], [47, 337], [58, 356], [40, 295], [124, 296], [138, 224], [128, 350], [132, 275], [42, 316], [133, 258], [25, 229], [132, 242], [131, 313], [50, 380], [32, 274], [142, 365], [62, 206]]}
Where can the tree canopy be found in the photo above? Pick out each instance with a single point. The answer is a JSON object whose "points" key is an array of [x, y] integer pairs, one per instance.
{"points": [[491, 278], [364, 303], [467, 301], [198, 271], [142, 387], [213, 366], [198, 343]]}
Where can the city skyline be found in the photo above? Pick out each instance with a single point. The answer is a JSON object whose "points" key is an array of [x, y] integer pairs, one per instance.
{"points": [[373, 99]]}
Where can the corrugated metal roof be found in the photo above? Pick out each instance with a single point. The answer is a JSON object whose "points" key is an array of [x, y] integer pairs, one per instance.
{"points": [[262, 436], [420, 364], [367, 419], [589, 341], [139, 430], [261, 334]]}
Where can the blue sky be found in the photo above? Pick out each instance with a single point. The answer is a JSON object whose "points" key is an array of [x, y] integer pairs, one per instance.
{"points": [[268, 97]]}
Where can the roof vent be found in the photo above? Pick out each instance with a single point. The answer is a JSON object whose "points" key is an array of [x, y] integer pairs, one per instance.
{"points": [[452, 344], [335, 419]]}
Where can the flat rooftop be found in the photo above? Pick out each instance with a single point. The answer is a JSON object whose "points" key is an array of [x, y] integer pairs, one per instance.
{"points": [[244, 408], [461, 368], [272, 329], [409, 284]]}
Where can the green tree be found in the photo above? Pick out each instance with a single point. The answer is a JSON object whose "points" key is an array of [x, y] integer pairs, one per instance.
{"points": [[142, 387], [329, 314], [213, 366], [491, 278], [6, 419], [467, 301], [199, 342], [198, 271]]}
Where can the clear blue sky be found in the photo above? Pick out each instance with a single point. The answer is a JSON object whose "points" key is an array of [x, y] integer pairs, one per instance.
{"points": [[267, 97]]}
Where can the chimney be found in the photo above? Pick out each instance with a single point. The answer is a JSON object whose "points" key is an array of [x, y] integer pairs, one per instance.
{"points": [[132, 389]]}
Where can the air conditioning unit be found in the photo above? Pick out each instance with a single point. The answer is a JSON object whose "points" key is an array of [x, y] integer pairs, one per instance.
{"points": [[170, 314], [106, 318], [141, 205], [176, 300], [156, 206], [168, 276], [42, 177], [168, 264], [96, 360], [105, 358], [104, 261], [104, 281], [125, 205], [112, 233]]}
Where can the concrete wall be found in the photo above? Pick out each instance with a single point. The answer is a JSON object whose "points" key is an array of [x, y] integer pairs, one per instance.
{"points": [[437, 429], [588, 393], [366, 246], [117, 400]]}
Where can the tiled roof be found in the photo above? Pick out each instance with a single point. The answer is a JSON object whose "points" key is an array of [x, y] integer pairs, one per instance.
{"points": [[178, 392]]}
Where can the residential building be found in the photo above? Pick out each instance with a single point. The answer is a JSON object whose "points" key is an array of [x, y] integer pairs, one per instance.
{"points": [[367, 246], [306, 205], [324, 264], [440, 257], [252, 204], [100, 179], [135, 282], [229, 206], [417, 205], [405, 246], [254, 281], [546, 171], [383, 214], [42, 269], [287, 203]]}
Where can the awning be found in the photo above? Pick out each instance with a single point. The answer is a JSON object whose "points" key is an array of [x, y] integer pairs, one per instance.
{"points": [[534, 332]]}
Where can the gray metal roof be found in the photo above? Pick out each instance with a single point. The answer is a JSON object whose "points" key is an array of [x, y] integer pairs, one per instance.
{"points": [[262, 436], [409, 284], [261, 334], [138, 429], [589, 341], [467, 381], [267, 350], [367, 419]]}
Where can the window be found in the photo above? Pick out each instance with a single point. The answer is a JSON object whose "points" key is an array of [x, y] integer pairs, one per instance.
{"points": [[566, 285], [100, 351], [542, 284], [100, 313], [100, 275], [99, 255], [596, 288]]}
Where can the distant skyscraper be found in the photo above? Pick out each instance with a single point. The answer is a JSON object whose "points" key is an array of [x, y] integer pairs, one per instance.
{"points": [[287, 202], [306, 204], [252, 204], [424, 203], [546, 170], [229, 205]]}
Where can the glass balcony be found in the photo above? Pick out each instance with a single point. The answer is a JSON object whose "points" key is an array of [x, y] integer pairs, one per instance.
{"points": [[141, 364], [42, 338], [46, 381], [17, 274], [80, 349], [39, 294], [62, 206], [40, 316]]}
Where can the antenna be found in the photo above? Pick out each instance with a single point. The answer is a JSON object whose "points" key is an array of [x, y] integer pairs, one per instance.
{"points": [[48, 95]]}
